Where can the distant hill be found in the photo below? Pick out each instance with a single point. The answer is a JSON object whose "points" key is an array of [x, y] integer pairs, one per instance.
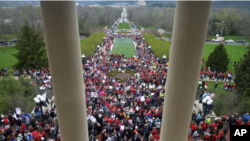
{"points": [[235, 4]]}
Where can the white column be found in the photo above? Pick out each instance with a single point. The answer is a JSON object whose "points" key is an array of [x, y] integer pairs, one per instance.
{"points": [[63, 45], [189, 32]]}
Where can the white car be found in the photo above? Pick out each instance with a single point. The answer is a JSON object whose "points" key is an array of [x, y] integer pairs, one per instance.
{"points": [[229, 41], [216, 40]]}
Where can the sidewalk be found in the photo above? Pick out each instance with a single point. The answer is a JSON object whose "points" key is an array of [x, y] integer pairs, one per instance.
{"points": [[207, 79]]}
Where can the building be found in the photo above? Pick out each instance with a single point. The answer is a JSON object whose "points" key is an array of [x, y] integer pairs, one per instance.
{"points": [[141, 3]]}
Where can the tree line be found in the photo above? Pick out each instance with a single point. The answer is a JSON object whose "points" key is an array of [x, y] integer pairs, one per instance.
{"points": [[88, 18], [236, 21]]}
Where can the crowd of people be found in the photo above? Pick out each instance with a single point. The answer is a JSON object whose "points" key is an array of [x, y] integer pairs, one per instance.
{"points": [[203, 128], [127, 110]]}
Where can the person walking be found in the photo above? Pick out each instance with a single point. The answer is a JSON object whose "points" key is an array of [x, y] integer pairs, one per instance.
{"points": [[225, 131], [195, 135], [216, 84]]}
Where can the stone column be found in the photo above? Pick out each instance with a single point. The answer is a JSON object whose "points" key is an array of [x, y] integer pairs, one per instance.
{"points": [[189, 32], [64, 53]]}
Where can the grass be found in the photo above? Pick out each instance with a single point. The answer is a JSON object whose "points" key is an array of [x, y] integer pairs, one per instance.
{"points": [[235, 38], [137, 26], [158, 47], [150, 27], [166, 36], [220, 87], [235, 52], [7, 59], [9, 37], [124, 26], [88, 46], [124, 46]]}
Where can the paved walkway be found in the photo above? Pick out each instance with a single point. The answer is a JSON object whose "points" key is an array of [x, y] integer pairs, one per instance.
{"points": [[207, 79]]}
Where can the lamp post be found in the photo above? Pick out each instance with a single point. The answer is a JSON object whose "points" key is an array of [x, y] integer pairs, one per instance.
{"points": [[222, 28]]}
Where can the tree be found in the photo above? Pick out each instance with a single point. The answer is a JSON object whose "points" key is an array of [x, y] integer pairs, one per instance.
{"points": [[218, 59], [242, 75], [31, 46], [15, 93], [245, 26]]}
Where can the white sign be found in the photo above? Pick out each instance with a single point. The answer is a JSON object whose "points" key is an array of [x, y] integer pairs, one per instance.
{"points": [[142, 99], [150, 120], [126, 108], [44, 95], [93, 119], [18, 111], [122, 127], [94, 94]]}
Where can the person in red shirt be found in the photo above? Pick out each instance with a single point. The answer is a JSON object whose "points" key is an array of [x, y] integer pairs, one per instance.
{"points": [[154, 132], [157, 137], [240, 121], [193, 128]]}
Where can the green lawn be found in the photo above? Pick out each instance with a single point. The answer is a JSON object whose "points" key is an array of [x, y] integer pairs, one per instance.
{"points": [[230, 37], [150, 27], [124, 26], [235, 52], [124, 46], [7, 59], [9, 37], [89, 45]]}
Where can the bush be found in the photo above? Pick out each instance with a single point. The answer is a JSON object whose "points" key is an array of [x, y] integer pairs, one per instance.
{"points": [[89, 45], [158, 47]]}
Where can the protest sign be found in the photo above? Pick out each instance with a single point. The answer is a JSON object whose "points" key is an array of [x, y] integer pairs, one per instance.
{"points": [[18, 111], [93, 119], [94, 94], [44, 95], [142, 99]]}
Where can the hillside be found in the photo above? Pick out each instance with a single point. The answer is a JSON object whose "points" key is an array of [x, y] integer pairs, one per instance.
{"points": [[240, 4]]}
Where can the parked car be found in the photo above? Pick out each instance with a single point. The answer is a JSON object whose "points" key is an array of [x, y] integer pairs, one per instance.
{"points": [[207, 40], [240, 41], [2, 42], [13, 41], [123, 30], [229, 41], [216, 40]]}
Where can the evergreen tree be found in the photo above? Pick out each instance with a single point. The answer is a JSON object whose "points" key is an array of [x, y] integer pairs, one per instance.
{"points": [[242, 75], [218, 59], [242, 81], [32, 53]]}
